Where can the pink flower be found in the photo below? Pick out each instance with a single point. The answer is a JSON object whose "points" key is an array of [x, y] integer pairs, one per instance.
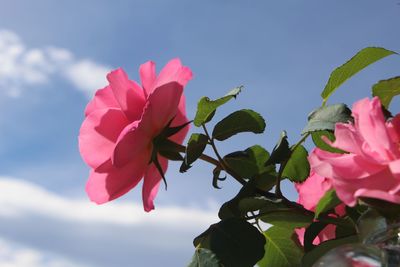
{"points": [[310, 192], [122, 120], [371, 168]]}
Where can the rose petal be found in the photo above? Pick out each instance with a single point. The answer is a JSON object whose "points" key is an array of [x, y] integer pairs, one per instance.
{"points": [[104, 98], [98, 134], [151, 183], [104, 187], [371, 125], [179, 120], [128, 94], [173, 72], [162, 106], [148, 76], [345, 166], [131, 141]]}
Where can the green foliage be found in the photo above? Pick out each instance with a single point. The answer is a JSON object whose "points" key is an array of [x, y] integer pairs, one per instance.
{"points": [[206, 108], [281, 151], [311, 257], [386, 90], [361, 60], [327, 202], [234, 241], [370, 222], [244, 120], [311, 233], [204, 258], [325, 118], [194, 149], [249, 204], [286, 218], [249, 162], [317, 139], [297, 168], [280, 249]]}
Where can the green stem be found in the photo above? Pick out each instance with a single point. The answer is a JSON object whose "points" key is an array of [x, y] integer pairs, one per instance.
{"points": [[222, 162]]}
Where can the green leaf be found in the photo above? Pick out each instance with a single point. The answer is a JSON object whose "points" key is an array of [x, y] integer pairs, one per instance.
{"points": [[280, 249], [311, 257], [217, 178], [386, 90], [234, 241], [361, 60], [316, 137], [325, 118], [231, 208], [297, 168], [194, 149], [244, 120], [311, 233], [257, 203], [206, 108], [281, 151], [204, 258], [286, 218], [327, 202], [249, 162]]}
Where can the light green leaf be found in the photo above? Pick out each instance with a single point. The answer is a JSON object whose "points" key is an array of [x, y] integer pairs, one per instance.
{"points": [[204, 258], [386, 90], [297, 168], [206, 108], [244, 120], [361, 60], [280, 249], [325, 118], [195, 147], [234, 241], [327, 202]]}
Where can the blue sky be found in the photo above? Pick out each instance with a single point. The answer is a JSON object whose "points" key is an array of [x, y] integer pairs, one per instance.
{"points": [[53, 55]]}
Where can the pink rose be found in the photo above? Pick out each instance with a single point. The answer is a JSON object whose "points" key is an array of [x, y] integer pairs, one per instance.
{"points": [[310, 192], [371, 168], [122, 120]]}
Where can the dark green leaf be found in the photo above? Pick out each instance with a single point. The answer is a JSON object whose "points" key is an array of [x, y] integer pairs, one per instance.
{"points": [[204, 258], [257, 203], [231, 208], [297, 168], [217, 178], [171, 155], [386, 90], [195, 147], [240, 121], [361, 60], [311, 257], [286, 218], [316, 137], [327, 202], [234, 241], [266, 180], [249, 162], [281, 151], [311, 233], [206, 108], [280, 249], [325, 118]]}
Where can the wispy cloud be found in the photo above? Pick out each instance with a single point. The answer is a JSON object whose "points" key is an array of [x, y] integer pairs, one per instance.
{"points": [[116, 234], [15, 255], [22, 67]]}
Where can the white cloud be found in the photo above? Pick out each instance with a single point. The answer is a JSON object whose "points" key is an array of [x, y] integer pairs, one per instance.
{"points": [[20, 198], [50, 228], [21, 67], [15, 255]]}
